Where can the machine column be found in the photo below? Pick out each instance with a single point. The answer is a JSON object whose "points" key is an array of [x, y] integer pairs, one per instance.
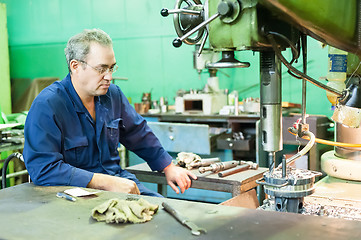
{"points": [[271, 108]]}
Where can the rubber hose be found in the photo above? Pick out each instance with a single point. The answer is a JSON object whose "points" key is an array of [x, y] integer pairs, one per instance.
{"points": [[5, 166]]}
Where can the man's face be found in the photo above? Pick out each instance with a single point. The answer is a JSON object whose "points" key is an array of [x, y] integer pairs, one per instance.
{"points": [[88, 82]]}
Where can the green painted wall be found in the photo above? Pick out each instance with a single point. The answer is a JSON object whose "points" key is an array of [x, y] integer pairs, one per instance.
{"points": [[5, 92], [39, 29]]}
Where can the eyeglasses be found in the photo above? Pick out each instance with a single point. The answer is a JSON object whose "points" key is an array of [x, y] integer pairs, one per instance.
{"points": [[102, 70]]}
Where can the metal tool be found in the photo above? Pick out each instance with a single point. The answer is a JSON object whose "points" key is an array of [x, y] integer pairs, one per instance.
{"points": [[65, 196], [183, 220], [217, 167], [244, 166], [203, 162]]}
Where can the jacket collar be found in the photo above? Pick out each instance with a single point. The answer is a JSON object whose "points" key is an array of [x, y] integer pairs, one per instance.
{"points": [[78, 104]]}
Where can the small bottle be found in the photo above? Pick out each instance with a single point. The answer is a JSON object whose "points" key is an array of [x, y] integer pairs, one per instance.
{"points": [[336, 76], [236, 104], [231, 96]]}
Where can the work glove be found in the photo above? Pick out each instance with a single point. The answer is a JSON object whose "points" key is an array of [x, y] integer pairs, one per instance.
{"points": [[124, 211], [184, 159]]}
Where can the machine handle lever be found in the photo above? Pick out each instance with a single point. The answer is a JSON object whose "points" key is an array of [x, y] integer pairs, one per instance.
{"points": [[203, 43], [165, 12], [178, 41]]}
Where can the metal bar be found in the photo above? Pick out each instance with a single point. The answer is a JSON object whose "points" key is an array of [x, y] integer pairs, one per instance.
{"points": [[188, 34], [304, 82], [231, 171], [185, 11], [203, 42], [15, 174]]}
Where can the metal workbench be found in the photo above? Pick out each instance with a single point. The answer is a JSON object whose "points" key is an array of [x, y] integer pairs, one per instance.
{"points": [[32, 212], [236, 184], [202, 118]]}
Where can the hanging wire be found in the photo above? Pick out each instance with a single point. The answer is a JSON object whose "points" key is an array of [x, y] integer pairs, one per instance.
{"points": [[354, 73], [275, 47]]}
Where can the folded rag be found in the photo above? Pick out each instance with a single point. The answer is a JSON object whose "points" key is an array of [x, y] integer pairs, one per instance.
{"points": [[124, 211]]}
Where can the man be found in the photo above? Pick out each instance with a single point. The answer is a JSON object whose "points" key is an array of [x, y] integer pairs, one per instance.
{"points": [[74, 127]]}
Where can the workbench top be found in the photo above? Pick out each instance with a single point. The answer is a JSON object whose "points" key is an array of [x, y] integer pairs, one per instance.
{"points": [[236, 183], [33, 212]]}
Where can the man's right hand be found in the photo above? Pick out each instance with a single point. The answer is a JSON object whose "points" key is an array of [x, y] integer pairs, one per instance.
{"points": [[113, 184]]}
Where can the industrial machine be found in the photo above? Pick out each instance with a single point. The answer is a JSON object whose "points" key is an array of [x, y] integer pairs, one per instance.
{"points": [[270, 27], [211, 99]]}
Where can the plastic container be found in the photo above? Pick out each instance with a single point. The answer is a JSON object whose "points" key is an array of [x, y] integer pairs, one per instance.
{"points": [[336, 76]]}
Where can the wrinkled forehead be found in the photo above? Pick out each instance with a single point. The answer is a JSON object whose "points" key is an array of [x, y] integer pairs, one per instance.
{"points": [[100, 54]]}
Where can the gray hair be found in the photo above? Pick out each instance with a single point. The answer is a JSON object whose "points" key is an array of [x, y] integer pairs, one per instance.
{"points": [[78, 46]]}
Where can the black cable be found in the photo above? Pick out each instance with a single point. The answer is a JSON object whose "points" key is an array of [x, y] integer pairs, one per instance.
{"points": [[5, 166], [296, 71], [293, 75], [295, 50], [304, 52], [295, 59]]}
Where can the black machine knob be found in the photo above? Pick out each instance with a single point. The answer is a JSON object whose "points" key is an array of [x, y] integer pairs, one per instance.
{"points": [[227, 11], [164, 12], [177, 42], [185, 19]]}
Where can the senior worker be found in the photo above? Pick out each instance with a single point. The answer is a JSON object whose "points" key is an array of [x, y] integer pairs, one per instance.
{"points": [[74, 126]]}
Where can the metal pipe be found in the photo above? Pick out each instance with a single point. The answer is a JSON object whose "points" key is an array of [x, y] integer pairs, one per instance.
{"points": [[203, 42], [15, 174], [304, 82], [284, 166], [244, 166], [220, 166], [165, 12], [234, 170]]}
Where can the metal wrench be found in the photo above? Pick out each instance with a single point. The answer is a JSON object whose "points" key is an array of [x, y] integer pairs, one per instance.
{"points": [[183, 220]]}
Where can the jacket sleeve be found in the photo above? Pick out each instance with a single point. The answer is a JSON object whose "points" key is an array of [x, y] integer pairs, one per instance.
{"points": [[43, 150], [140, 139]]}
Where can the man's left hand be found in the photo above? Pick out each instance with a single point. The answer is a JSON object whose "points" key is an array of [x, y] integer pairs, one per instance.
{"points": [[180, 176]]}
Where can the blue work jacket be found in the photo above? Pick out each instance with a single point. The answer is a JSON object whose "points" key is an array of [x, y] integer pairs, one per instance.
{"points": [[64, 146]]}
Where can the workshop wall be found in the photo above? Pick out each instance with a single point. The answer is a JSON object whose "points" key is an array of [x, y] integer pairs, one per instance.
{"points": [[5, 93], [39, 29]]}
